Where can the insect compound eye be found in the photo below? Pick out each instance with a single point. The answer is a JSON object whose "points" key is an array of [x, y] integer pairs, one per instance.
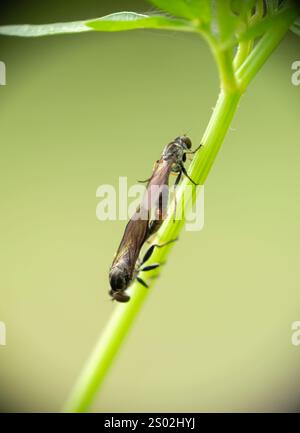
{"points": [[121, 297], [187, 141]]}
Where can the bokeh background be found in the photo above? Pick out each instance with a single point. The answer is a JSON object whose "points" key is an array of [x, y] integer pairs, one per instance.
{"points": [[81, 110]]}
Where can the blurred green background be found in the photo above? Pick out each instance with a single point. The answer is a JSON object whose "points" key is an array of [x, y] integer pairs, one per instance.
{"points": [[81, 110]]}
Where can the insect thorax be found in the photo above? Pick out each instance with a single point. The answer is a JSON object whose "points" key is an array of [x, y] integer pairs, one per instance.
{"points": [[173, 151]]}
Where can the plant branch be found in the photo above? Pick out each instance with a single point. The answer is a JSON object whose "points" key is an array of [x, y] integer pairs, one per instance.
{"points": [[223, 59], [124, 314], [264, 48], [245, 47]]}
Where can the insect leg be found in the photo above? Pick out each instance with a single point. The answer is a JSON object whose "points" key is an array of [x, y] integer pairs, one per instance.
{"points": [[142, 282], [149, 253], [191, 152], [185, 173], [146, 180], [147, 257], [150, 267], [175, 200], [145, 268]]}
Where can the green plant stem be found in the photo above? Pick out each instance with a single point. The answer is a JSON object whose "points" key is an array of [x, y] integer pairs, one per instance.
{"points": [[244, 49], [223, 59], [124, 315]]}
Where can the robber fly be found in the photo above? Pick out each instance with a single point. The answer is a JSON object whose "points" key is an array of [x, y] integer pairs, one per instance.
{"points": [[147, 220], [171, 161]]}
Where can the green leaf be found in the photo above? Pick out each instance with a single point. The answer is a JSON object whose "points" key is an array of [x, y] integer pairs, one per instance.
{"points": [[110, 23], [190, 9], [130, 21], [33, 30]]}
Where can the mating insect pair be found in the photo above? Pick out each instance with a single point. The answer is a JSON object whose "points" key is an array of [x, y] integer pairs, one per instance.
{"points": [[147, 219]]}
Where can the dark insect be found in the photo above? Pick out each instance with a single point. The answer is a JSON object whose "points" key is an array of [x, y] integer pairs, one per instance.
{"points": [[171, 161], [147, 219]]}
